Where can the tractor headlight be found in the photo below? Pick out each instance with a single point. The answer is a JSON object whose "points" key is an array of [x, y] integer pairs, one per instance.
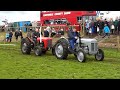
{"points": [[86, 49]]}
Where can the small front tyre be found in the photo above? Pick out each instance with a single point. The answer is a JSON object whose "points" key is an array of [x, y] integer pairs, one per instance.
{"points": [[38, 51], [81, 56], [100, 55]]}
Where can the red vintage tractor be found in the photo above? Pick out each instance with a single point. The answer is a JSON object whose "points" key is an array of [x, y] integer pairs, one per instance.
{"points": [[39, 48]]}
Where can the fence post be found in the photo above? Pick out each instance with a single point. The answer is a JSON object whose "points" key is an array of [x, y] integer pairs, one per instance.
{"points": [[118, 41]]}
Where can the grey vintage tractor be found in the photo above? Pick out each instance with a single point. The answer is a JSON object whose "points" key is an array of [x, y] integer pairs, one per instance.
{"points": [[83, 47]]}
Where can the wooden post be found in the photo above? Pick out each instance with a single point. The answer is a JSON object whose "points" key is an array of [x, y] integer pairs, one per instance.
{"points": [[118, 42]]}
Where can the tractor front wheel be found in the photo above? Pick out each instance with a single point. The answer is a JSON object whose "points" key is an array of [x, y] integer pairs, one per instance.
{"points": [[100, 55], [81, 56], [38, 51]]}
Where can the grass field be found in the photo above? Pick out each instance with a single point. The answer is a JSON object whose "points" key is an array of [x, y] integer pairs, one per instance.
{"points": [[15, 65]]}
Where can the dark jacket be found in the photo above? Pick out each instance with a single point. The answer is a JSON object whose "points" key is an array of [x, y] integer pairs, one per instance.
{"points": [[10, 34], [71, 34], [46, 33], [35, 34], [101, 25], [119, 25], [106, 22], [95, 27], [62, 32], [116, 22], [20, 34], [16, 33]]}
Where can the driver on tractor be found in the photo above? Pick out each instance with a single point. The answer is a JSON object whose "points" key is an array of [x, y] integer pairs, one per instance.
{"points": [[35, 35], [72, 37]]}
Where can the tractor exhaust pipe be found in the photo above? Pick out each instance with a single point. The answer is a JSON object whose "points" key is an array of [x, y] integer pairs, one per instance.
{"points": [[40, 34]]}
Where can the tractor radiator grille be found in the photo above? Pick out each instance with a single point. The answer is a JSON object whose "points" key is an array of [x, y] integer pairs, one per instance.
{"points": [[93, 47]]}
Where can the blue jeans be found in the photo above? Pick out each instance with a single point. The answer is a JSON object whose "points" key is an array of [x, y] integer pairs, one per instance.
{"points": [[72, 42]]}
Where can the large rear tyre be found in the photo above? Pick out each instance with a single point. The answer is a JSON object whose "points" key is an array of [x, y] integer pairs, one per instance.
{"points": [[25, 46], [100, 55], [38, 51], [61, 51], [81, 56], [63, 41]]}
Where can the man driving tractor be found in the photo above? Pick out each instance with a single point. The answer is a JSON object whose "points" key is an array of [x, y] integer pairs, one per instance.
{"points": [[73, 35], [35, 35]]}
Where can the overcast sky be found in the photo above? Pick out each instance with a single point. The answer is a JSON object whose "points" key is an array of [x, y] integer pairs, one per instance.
{"points": [[112, 14], [14, 16]]}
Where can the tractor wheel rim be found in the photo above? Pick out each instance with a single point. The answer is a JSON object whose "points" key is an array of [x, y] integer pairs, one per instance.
{"points": [[80, 56], [59, 50], [36, 51], [99, 56], [24, 47]]}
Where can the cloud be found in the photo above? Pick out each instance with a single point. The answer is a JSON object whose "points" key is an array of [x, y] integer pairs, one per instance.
{"points": [[14, 16], [5, 12], [12, 12]]}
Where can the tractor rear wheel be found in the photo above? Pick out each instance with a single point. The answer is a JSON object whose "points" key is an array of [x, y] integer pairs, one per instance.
{"points": [[25, 46], [60, 49], [62, 40]]}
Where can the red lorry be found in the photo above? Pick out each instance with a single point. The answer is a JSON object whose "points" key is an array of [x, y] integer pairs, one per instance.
{"points": [[61, 18]]}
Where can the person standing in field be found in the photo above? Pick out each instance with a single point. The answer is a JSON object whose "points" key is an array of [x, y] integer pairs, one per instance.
{"points": [[112, 27], [7, 36], [101, 27], [106, 31], [119, 27], [116, 26], [16, 34], [10, 35]]}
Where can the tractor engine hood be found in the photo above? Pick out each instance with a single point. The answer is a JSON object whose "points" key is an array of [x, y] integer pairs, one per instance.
{"points": [[44, 38], [87, 40]]}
